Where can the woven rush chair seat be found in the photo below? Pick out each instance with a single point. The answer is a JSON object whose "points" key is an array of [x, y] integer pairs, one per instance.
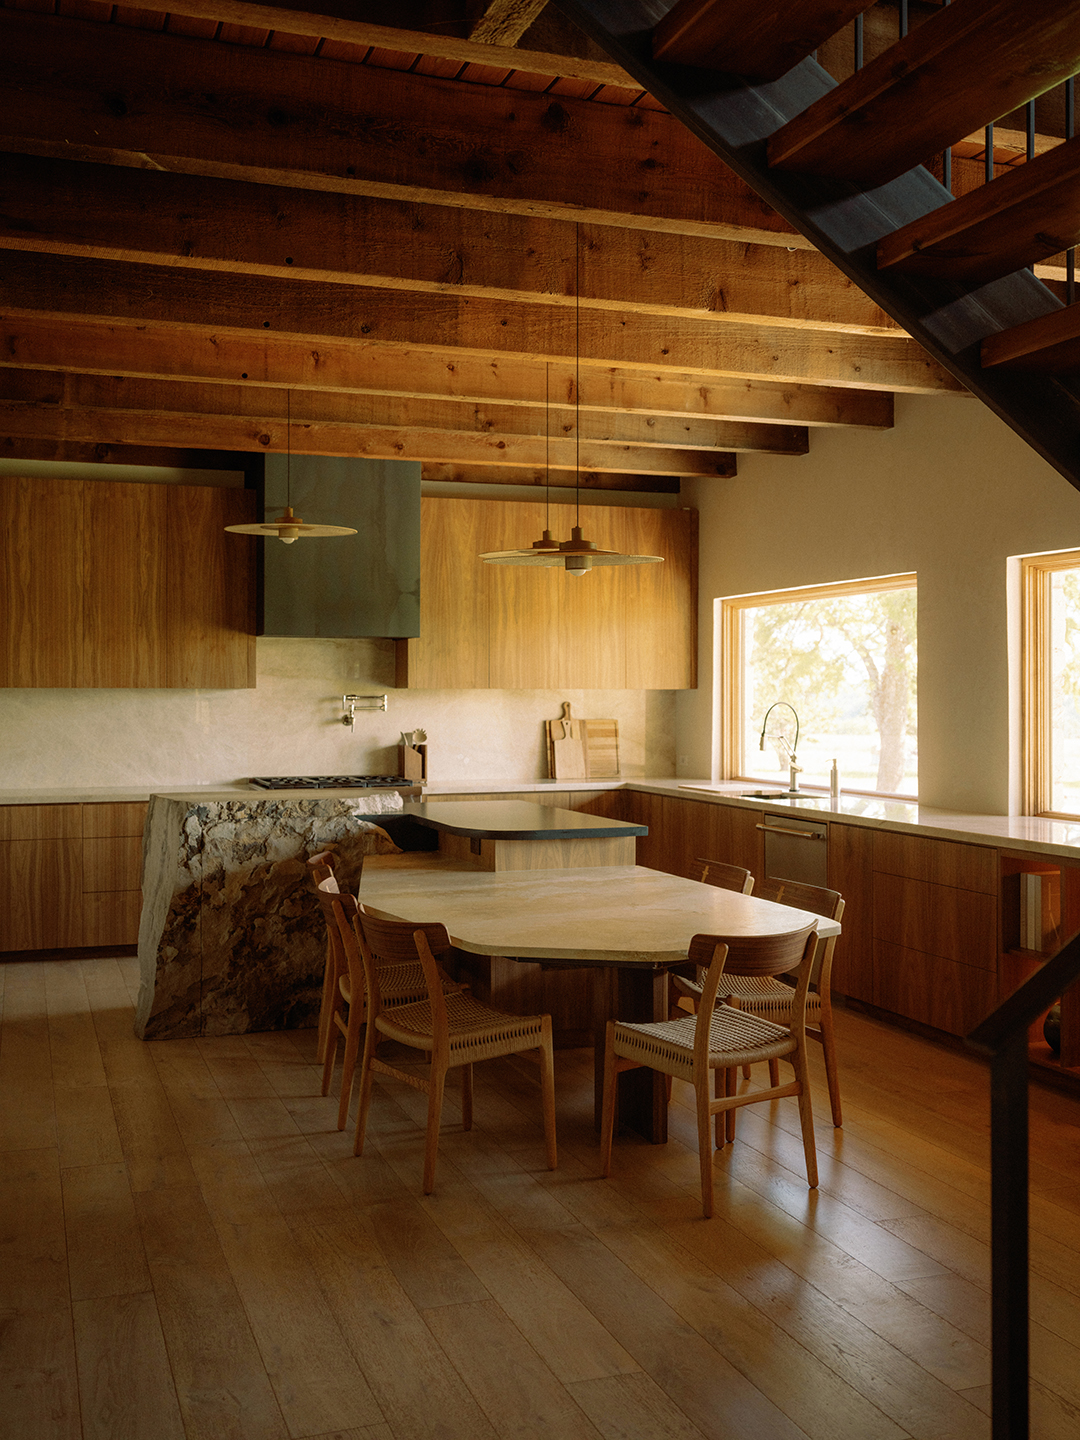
{"points": [[771, 997], [401, 984], [707, 1049], [452, 1029]]}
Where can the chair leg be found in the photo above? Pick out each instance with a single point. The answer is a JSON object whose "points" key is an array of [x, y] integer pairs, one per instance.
{"points": [[746, 1072], [806, 1117], [828, 1044], [434, 1119], [330, 1056], [720, 1089], [705, 1148], [607, 1115], [348, 1066], [774, 1073], [547, 1093], [326, 1007], [370, 1042], [466, 1096], [732, 1089]]}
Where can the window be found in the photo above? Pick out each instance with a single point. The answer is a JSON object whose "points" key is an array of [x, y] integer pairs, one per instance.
{"points": [[1051, 689], [844, 657]]}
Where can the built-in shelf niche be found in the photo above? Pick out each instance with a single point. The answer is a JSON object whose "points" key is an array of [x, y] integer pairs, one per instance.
{"points": [[1040, 910]]}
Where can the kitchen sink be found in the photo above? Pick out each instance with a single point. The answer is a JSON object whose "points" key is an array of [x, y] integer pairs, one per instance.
{"points": [[776, 795]]}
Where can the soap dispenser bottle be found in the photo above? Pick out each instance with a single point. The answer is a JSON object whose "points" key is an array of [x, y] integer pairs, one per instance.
{"points": [[834, 784]]}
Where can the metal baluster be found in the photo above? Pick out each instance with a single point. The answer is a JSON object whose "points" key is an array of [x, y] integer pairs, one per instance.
{"points": [[988, 163], [1070, 254], [858, 42], [946, 162], [1029, 115], [903, 18]]}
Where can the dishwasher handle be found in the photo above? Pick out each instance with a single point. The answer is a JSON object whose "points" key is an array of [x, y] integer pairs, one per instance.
{"points": [[798, 834]]}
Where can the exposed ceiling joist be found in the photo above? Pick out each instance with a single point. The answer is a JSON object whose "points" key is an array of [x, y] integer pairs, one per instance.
{"points": [[139, 349]]}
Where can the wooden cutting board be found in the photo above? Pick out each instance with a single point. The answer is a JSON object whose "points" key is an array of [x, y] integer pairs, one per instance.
{"points": [[582, 749], [566, 746]]}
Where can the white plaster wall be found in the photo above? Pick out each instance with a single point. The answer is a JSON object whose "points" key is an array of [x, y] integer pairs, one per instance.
{"points": [[291, 724], [951, 493]]}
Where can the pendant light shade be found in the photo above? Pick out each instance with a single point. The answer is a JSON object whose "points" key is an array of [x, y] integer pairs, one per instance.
{"points": [[577, 556], [289, 527]]}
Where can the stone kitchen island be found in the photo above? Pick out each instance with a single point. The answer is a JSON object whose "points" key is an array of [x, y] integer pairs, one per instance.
{"points": [[231, 937]]}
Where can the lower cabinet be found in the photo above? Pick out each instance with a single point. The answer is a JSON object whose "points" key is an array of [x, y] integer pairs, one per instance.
{"points": [[851, 872], [70, 875]]}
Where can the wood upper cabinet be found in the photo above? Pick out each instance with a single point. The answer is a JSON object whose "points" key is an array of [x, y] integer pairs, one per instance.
{"points": [[108, 585], [520, 627]]}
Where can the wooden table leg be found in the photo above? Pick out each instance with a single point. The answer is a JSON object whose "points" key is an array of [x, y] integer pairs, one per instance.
{"points": [[632, 994]]}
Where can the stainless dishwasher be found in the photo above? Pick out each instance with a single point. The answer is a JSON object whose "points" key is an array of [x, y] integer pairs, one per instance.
{"points": [[796, 850]]}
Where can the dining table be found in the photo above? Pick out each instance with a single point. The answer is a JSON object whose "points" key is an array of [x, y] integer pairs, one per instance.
{"points": [[628, 924]]}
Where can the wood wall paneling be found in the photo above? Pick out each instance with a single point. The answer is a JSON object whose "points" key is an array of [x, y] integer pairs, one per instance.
{"points": [[960, 925], [210, 634], [943, 862], [40, 582], [123, 586], [931, 989], [41, 882], [851, 873]]}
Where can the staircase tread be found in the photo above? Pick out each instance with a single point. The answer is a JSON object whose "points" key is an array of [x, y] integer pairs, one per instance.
{"points": [[761, 44]]}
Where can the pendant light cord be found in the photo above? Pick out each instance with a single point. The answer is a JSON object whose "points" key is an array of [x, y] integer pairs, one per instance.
{"points": [[547, 446], [577, 373], [288, 450]]}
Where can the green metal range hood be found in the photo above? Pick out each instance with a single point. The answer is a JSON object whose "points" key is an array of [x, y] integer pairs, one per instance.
{"points": [[363, 585]]}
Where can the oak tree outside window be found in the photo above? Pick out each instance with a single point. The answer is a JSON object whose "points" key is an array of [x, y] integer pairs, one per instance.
{"points": [[1051, 689], [845, 657]]}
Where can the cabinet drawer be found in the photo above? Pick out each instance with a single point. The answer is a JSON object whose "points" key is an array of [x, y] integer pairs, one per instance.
{"points": [[112, 918], [959, 925], [112, 863], [40, 822], [113, 818], [942, 862], [939, 992]]}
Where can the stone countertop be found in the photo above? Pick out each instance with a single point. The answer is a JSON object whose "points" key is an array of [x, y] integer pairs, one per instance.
{"points": [[518, 820], [1009, 832]]}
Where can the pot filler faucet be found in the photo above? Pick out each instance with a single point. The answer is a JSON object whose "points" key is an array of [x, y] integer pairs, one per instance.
{"points": [[794, 768]]}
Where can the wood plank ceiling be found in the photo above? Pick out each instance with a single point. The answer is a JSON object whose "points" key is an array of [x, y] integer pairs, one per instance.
{"points": [[215, 212]]}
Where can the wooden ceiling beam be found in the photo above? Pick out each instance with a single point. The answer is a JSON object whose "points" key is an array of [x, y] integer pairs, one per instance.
{"points": [[136, 348], [74, 89], [65, 207], [344, 28], [272, 407], [36, 420], [55, 287], [448, 474]]}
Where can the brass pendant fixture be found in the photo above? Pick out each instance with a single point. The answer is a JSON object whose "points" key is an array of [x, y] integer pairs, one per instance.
{"points": [[289, 527], [577, 556]]}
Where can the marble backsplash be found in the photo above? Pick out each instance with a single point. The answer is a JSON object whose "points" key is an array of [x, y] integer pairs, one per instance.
{"points": [[291, 725]]}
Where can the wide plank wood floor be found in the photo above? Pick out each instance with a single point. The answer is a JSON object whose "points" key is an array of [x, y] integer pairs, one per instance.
{"points": [[189, 1249]]}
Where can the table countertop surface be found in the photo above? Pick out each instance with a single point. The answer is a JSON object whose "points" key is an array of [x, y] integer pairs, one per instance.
{"points": [[606, 915], [518, 820]]}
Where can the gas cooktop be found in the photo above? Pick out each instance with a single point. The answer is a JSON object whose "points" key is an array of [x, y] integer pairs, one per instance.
{"points": [[332, 782]]}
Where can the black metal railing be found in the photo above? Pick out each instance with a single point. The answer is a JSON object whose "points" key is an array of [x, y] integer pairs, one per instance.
{"points": [[1003, 1037]]}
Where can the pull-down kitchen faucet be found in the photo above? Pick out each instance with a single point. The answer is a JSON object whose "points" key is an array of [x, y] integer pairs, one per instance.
{"points": [[794, 768]]}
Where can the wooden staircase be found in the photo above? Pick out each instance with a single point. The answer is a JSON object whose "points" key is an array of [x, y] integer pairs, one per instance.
{"points": [[844, 163]]}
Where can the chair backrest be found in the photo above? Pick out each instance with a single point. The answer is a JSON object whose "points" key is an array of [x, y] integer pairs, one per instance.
{"points": [[397, 942], [755, 954], [726, 877], [814, 898]]}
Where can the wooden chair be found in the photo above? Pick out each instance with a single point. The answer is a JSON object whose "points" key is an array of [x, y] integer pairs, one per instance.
{"points": [[772, 998], [726, 877], [718, 1039], [401, 985], [454, 1030]]}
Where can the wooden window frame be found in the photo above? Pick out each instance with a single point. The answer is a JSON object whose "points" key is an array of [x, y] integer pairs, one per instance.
{"points": [[1036, 702], [731, 640]]}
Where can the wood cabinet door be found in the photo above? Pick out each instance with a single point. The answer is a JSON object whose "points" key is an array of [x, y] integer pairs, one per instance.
{"points": [[41, 882], [592, 607], [942, 862], [523, 602], [959, 925], [931, 988], [452, 650], [123, 586], [210, 635], [851, 873], [41, 633], [661, 600]]}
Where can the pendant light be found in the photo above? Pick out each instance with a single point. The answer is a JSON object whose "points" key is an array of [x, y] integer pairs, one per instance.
{"points": [[289, 527], [577, 556]]}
